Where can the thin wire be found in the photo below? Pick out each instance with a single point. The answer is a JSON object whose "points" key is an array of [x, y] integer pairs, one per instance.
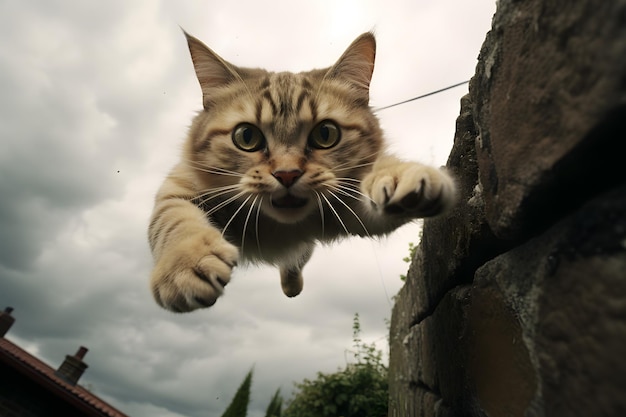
{"points": [[432, 93], [380, 274]]}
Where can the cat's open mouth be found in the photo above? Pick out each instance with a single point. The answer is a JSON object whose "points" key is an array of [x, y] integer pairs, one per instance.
{"points": [[289, 201]]}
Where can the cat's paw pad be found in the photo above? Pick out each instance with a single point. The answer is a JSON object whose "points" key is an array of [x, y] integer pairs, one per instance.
{"points": [[192, 274], [410, 189]]}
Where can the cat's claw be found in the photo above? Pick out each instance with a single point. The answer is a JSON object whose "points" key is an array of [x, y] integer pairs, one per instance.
{"points": [[410, 190], [193, 273]]}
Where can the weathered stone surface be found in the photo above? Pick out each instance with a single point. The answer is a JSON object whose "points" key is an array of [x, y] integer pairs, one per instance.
{"points": [[434, 272], [428, 404], [539, 234], [548, 319], [441, 264], [581, 333], [429, 359], [501, 375], [549, 74]]}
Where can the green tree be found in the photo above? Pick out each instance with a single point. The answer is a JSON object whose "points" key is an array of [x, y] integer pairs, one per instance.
{"points": [[359, 390], [239, 405], [275, 407]]}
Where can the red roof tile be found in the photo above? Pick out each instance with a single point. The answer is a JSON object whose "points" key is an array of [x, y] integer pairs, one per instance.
{"points": [[23, 361]]}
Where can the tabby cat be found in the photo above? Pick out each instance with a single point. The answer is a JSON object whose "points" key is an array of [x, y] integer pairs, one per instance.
{"points": [[273, 164]]}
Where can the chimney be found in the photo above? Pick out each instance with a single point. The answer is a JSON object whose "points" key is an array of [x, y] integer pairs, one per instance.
{"points": [[6, 321], [72, 367]]}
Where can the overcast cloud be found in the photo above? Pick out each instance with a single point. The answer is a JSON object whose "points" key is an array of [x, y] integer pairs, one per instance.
{"points": [[95, 101]]}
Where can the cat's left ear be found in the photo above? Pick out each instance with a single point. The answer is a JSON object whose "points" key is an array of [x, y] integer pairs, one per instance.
{"points": [[213, 72], [356, 65]]}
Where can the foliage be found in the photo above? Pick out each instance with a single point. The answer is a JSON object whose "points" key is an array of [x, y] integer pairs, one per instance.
{"points": [[275, 407], [239, 405], [407, 259], [359, 390]]}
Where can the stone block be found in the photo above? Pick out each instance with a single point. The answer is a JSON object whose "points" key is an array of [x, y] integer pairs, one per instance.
{"points": [[430, 358], [549, 93], [538, 235], [418, 401], [455, 244], [548, 319]]}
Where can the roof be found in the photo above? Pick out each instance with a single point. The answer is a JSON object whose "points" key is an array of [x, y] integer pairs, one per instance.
{"points": [[41, 373]]}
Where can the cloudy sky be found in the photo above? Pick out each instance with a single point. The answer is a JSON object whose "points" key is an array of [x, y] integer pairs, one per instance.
{"points": [[95, 101]]}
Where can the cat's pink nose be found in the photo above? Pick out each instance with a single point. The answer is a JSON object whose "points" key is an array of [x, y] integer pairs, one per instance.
{"points": [[287, 178]]}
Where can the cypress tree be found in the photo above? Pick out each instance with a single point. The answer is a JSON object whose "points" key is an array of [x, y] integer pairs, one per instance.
{"points": [[239, 405], [274, 409]]}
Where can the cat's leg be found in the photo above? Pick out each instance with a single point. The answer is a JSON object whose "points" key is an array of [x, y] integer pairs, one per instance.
{"points": [[407, 189], [291, 271], [193, 262]]}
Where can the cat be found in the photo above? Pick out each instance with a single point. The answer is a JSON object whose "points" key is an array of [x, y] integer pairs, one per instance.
{"points": [[273, 164]]}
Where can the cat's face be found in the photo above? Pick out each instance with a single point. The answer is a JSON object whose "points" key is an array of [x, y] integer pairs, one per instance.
{"points": [[282, 143]]}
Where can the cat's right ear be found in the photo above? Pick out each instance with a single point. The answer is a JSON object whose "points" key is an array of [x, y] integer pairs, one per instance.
{"points": [[356, 65], [212, 71]]}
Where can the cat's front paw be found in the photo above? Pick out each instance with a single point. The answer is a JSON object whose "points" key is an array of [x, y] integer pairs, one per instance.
{"points": [[409, 189], [193, 272]]}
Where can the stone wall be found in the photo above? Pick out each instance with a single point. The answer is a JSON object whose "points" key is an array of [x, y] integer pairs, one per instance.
{"points": [[515, 302]]}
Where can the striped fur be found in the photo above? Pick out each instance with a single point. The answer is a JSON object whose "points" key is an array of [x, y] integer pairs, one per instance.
{"points": [[222, 205]]}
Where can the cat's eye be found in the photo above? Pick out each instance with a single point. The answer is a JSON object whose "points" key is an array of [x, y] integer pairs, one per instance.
{"points": [[324, 135], [248, 137]]}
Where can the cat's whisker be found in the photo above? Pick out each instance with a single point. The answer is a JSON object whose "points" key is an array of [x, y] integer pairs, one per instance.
{"points": [[245, 223], [340, 191], [212, 169], [335, 213], [203, 165], [356, 191], [256, 225], [225, 203], [356, 216], [215, 195], [321, 207], [223, 187], [235, 215], [360, 159], [217, 172], [337, 188], [216, 190], [346, 179], [354, 166]]}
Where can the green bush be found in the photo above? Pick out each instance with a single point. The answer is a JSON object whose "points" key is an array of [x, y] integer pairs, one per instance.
{"points": [[359, 390]]}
